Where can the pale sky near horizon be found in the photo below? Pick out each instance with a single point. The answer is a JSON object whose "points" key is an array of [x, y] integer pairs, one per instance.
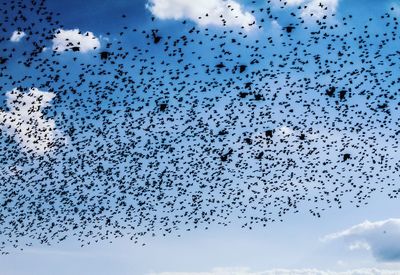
{"points": [[295, 244]]}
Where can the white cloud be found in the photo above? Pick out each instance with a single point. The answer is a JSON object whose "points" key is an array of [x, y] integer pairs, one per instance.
{"points": [[17, 36], [285, 131], [67, 39], [288, 3], [275, 24], [26, 123], [316, 11], [245, 271], [312, 9], [382, 238], [359, 246], [294, 2], [231, 11]]}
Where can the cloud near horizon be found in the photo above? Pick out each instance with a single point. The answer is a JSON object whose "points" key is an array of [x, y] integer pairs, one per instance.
{"points": [[382, 238], [246, 271]]}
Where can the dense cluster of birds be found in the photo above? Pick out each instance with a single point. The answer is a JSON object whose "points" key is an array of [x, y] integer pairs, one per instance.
{"points": [[165, 130]]}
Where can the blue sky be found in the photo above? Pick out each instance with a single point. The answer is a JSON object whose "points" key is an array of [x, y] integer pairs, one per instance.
{"points": [[339, 241]]}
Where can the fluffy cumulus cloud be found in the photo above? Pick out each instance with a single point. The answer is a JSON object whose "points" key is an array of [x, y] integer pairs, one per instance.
{"points": [[244, 271], [17, 36], [382, 238], [25, 121], [69, 40], [204, 12]]}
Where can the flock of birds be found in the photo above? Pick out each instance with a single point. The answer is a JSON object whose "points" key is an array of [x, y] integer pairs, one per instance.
{"points": [[166, 130]]}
